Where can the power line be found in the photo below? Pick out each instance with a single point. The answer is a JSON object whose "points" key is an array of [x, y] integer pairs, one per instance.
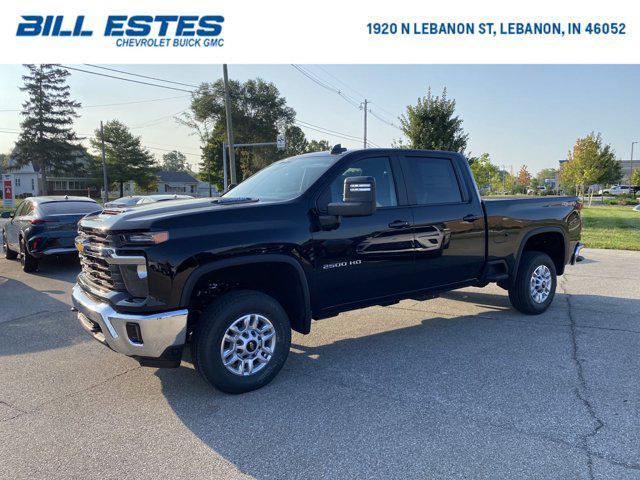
{"points": [[141, 76], [117, 104], [391, 124], [326, 86], [334, 133], [127, 79], [341, 81]]}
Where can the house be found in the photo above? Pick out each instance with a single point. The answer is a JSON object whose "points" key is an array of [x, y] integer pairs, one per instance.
{"points": [[27, 179], [177, 182], [183, 183], [203, 190]]}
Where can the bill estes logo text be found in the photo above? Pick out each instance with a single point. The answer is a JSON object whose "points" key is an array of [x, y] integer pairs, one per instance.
{"points": [[132, 31]]}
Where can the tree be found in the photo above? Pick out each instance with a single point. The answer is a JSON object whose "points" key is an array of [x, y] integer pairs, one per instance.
{"points": [[126, 158], [432, 124], [590, 162], [174, 161], [545, 173], [524, 177], [47, 139], [635, 177], [258, 114], [486, 174], [318, 146]]}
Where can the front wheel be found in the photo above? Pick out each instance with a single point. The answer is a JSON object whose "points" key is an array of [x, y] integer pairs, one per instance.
{"points": [[535, 285], [8, 253], [241, 341]]}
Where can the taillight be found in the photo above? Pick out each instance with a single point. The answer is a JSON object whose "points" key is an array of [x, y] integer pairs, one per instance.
{"points": [[40, 221]]}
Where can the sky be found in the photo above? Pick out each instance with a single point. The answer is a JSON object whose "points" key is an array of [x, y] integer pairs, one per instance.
{"points": [[519, 114]]}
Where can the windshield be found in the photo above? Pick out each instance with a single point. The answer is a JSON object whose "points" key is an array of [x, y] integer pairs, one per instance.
{"points": [[284, 180]]}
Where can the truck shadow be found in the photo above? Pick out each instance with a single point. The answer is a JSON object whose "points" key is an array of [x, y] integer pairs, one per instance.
{"points": [[369, 405]]}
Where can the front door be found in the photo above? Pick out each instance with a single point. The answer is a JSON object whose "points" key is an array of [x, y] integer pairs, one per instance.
{"points": [[365, 257], [448, 222], [12, 228]]}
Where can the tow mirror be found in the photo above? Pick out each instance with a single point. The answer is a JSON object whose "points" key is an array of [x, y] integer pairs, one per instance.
{"points": [[358, 200], [7, 215]]}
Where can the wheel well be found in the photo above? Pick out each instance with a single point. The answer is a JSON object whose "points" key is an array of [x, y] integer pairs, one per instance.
{"points": [[551, 243], [277, 279]]}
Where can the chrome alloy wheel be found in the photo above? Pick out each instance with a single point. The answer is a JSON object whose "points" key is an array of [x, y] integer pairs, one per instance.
{"points": [[540, 284], [248, 344]]}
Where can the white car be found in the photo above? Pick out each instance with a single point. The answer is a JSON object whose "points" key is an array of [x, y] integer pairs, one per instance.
{"points": [[616, 190]]}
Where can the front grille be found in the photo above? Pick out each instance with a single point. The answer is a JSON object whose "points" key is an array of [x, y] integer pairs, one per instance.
{"points": [[95, 270]]}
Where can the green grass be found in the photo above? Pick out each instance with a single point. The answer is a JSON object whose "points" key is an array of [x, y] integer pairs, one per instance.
{"points": [[613, 227]]}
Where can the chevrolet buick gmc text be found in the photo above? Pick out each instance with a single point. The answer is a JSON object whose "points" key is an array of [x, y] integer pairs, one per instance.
{"points": [[307, 238]]}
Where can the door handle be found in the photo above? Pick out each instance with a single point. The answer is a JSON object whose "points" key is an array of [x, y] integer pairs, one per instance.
{"points": [[470, 218], [399, 224]]}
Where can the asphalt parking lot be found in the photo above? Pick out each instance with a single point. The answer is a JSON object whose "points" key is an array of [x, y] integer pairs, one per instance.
{"points": [[457, 387]]}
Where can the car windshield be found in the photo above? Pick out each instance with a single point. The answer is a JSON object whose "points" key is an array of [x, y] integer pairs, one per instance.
{"points": [[68, 208], [126, 201], [284, 180]]}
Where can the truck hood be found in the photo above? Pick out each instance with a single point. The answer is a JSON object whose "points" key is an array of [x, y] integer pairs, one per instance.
{"points": [[142, 217]]}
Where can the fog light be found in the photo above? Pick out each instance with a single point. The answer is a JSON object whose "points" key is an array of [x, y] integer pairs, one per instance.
{"points": [[142, 272], [134, 333]]}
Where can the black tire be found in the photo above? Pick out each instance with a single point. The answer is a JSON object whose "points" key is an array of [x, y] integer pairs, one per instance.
{"points": [[29, 262], [520, 291], [8, 253], [208, 335]]}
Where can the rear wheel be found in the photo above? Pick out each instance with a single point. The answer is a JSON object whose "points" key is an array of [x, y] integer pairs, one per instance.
{"points": [[241, 341], [28, 261], [535, 285], [8, 253]]}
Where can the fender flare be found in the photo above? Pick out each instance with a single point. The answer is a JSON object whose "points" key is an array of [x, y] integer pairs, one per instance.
{"points": [[207, 268], [531, 233]]}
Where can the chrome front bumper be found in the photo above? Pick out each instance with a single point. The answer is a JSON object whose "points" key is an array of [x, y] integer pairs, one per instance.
{"points": [[576, 253], [158, 331]]}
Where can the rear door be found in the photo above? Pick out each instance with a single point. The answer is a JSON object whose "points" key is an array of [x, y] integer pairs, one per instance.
{"points": [[365, 257], [448, 220]]}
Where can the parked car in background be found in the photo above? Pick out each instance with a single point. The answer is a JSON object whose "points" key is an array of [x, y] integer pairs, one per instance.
{"points": [[43, 226], [127, 201], [616, 190], [161, 198]]}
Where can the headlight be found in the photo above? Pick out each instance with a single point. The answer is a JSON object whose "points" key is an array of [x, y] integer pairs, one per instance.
{"points": [[149, 238]]}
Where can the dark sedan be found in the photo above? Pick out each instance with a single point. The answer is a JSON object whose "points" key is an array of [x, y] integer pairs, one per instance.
{"points": [[43, 226]]}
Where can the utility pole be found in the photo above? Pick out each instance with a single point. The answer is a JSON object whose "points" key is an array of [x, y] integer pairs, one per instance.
{"points": [[230, 142], [365, 122], [104, 167]]}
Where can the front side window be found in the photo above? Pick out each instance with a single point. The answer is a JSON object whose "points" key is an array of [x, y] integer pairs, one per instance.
{"points": [[433, 180], [376, 167]]}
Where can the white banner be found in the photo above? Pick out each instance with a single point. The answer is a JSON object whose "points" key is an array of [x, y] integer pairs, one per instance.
{"points": [[328, 31]]}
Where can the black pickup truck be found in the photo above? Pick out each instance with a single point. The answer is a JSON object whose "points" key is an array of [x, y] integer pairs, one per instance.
{"points": [[307, 238]]}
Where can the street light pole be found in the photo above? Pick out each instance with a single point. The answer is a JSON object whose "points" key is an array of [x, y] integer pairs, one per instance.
{"points": [[230, 142]]}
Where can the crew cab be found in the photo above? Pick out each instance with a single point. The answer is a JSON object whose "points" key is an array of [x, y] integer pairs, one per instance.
{"points": [[306, 238]]}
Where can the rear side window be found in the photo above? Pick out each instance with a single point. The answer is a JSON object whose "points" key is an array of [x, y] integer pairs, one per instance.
{"points": [[68, 208], [433, 180]]}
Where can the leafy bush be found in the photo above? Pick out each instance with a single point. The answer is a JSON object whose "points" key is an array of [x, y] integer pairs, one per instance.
{"points": [[620, 200]]}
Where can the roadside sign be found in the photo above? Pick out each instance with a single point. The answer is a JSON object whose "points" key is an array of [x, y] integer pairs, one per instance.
{"points": [[281, 142], [7, 191]]}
